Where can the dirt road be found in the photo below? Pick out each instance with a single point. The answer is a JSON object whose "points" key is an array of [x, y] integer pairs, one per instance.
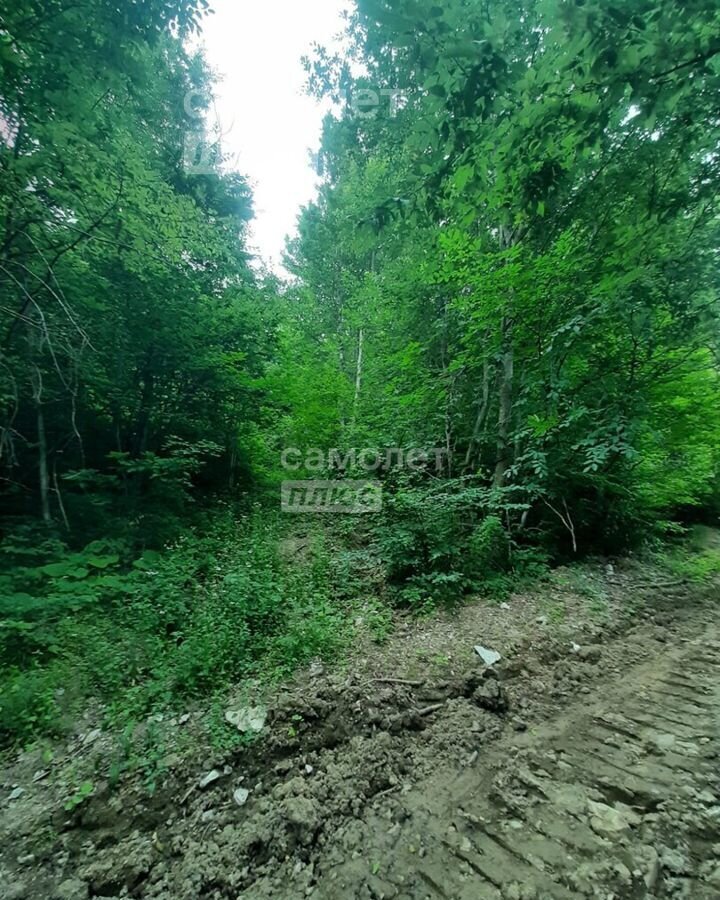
{"points": [[617, 797], [567, 770]]}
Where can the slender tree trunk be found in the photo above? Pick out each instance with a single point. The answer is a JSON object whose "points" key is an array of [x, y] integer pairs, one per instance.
{"points": [[358, 374], [483, 409], [43, 464], [233, 465], [58, 494], [506, 385], [142, 424], [505, 407]]}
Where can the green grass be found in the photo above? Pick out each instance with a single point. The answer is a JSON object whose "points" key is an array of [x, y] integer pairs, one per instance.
{"points": [[699, 566]]}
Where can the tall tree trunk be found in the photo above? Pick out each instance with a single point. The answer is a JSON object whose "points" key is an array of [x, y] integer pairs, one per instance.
{"points": [[358, 375], [142, 422], [505, 407], [43, 463], [483, 409], [505, 448]]}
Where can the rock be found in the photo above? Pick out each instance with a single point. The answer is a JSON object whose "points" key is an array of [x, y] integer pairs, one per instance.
{"points": [[184, 719], [491, 695], [609, 821], [27, 860], [209, 779], [673, 861], [303, 814], [489, 657], [91, 736], [542, 620], [72, 889], [590, 654], [249, 719], [240, 796], [316, 669], [576, 648], [309, 770], [17, 793], [505, 606], [648, 866], [623, 873]]}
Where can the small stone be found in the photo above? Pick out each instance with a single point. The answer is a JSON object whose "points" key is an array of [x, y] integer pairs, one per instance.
{"points": [[184, 719], [491, 695], [27, 860], [249, 719], [611, 820], [309, 770], [673, 861], [316, 669], [209, 779], [623, 873], [649, 863], [72, 889], [17, 793], [91, 737], [488, 656], [505, 606], [240, 796], [303, 814], [590, 654]]}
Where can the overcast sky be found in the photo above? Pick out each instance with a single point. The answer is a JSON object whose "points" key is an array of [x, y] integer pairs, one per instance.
{"points": [[269, 125]]}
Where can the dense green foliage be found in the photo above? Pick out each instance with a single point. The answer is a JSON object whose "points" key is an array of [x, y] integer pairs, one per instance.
{"points": [[512, 258], [516, 259], [134, 331]]}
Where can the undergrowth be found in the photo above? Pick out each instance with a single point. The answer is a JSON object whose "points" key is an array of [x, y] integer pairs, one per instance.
{"points": [[146, 633]]}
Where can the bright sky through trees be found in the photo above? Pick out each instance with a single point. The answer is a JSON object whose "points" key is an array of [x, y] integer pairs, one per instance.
{"points": [[268, 124]]}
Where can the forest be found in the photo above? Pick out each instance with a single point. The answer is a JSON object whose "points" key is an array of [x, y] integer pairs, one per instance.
{"points": [[502, 308]]}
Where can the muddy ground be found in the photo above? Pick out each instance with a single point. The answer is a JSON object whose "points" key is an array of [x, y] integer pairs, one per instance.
{"points": [[583, 764]]}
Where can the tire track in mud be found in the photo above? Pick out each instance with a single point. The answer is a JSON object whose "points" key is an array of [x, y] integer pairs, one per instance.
{"points": [[618, 798]]}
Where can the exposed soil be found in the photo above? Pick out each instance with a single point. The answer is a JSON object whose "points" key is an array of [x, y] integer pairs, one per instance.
{"points": [[583, 764]]}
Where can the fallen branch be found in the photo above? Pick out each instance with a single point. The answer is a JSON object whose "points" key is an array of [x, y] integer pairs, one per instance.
{"points": [[404, 681], [430, 709], [660, 584]]}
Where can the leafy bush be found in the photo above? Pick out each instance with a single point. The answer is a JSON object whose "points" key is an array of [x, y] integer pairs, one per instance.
{"points": [[488, 548], [141, 634], [440, 543]]}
